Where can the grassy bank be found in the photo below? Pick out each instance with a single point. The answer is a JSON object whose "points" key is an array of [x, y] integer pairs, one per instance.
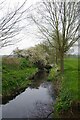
{"points": [[0, 76], [68, 85], [15, 74]]}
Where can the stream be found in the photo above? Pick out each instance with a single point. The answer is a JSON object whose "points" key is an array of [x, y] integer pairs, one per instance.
{"points": [[36, 101]]}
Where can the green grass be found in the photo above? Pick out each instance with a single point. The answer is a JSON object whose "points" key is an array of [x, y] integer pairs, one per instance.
{"points": [[15, 74], [0, 76], [69, 90], [71, 76], [71, 64], [53, 73]]}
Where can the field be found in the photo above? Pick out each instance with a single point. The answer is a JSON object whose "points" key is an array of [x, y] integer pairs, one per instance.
{"points": [[69, 86]]}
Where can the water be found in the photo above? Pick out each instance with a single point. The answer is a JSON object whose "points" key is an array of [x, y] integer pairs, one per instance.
{"points": [[34, 102]]}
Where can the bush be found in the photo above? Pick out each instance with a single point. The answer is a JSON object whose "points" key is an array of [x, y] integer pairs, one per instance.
{"points": [[15, 74], [53, 73], [63, 101], [25, 63]]}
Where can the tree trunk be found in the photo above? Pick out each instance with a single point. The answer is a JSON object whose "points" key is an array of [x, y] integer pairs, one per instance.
{"points": [[62, 63]]}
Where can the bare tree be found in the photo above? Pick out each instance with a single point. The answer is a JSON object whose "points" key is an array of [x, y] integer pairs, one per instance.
{"points": [[10, 23], [58, 24]]}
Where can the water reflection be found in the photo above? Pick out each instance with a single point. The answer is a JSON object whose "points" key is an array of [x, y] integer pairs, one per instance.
{"points": [[32, 103], [38, 78], [35, 102]]}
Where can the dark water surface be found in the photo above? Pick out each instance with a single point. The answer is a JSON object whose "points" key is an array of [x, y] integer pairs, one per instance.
{"points": [[34, 102]]}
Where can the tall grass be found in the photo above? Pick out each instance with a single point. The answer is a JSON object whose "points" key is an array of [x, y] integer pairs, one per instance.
{"points": [[15, 74]]}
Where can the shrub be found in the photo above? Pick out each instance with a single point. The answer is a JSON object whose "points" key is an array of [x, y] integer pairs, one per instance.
{"points": [[63, 101], [25, 63], [51, 74]]}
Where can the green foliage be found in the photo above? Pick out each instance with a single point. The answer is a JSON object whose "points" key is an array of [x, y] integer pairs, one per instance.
{"points": [[69, 85], [37, 53], [64, 100], [25, 63], [14, 77], [53, 73]]}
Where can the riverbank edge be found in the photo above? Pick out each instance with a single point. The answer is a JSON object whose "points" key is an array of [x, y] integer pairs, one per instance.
{"points": [[73, 110], [17, 90]]}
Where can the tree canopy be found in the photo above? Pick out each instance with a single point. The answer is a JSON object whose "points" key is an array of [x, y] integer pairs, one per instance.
{"points": [[58, 23]]}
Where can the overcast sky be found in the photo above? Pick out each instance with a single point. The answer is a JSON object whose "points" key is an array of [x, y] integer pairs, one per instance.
{"points": [[28, 38]]}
